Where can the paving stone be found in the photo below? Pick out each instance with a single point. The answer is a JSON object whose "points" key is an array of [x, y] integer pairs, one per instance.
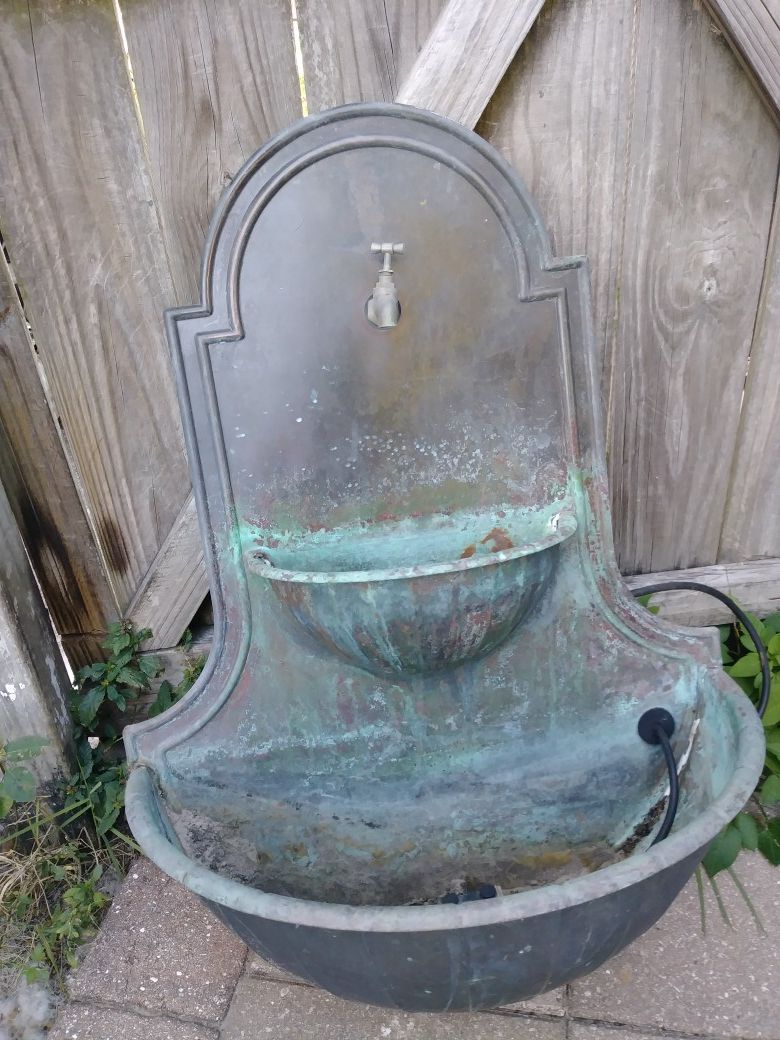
{"points": [[81, 1022], [585, 1031], [262, 1008], [552, 1003], [723, 982], [161, 950], [259, 968]]}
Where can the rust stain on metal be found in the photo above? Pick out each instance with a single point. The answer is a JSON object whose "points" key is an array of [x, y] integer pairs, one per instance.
{"points": [[500, 539]]}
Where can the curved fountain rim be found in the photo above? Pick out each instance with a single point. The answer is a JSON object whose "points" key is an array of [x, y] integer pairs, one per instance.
{"points": [[261, 566], [149, 829]]}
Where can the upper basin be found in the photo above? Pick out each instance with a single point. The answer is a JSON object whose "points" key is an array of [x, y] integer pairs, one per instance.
{"points": [[417, 596]]}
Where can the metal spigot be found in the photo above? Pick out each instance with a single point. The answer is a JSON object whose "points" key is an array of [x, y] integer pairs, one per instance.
{"points": [[383, 308]]}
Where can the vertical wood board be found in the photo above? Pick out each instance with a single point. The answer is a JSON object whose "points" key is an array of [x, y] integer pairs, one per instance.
{"points": [[80, 225], [703, 164], [360, 50], [37, 479], [214, 81], [33, 681], [560, 116], [751, 527], [650, 152]]}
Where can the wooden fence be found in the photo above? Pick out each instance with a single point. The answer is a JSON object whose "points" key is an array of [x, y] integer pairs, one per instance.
{"points": [[647, 146]]}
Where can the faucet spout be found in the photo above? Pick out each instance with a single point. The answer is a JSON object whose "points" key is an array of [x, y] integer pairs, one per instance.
{"points": [[383, 308]]}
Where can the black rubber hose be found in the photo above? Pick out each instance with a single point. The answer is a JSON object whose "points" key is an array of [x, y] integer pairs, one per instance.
{"points": [[739, 614], [674, 786], [658, 731]]}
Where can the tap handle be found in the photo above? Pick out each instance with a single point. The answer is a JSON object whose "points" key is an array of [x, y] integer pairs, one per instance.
{"points": [[387, 247]]}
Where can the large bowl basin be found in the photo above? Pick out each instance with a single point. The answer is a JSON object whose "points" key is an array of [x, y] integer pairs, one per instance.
{"points": [[493, 951]]}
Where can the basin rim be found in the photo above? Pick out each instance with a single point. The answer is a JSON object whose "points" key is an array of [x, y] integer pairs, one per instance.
{"points": [[262, 567], [148, 826]]}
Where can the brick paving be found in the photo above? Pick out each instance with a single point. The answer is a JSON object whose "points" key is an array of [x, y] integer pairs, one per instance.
{"points": [[164, 969]]}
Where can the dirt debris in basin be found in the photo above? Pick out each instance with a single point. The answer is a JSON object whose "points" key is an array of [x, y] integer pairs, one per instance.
{"points": [[337, 869]]}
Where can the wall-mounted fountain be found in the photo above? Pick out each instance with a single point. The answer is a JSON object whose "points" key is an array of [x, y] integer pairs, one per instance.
{"points": [[411, 771]]}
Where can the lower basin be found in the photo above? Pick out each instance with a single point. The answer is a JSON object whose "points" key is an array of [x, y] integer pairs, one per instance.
{"points": [[417, 596], [563, 907]]}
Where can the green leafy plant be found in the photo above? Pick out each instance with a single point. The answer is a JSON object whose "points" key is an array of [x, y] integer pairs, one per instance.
{"points": [[52, 893], [167, 695], [53, 864], [102, 692], [755, 828], [18, 784]]}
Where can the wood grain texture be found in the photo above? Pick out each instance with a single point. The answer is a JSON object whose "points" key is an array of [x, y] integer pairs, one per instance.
{"points": [[79, 222], [703, 164], [560, 116], [33, 681], [44, 500], [215, 80], [174, 588], [360, 50], [465, 56], [755, 587], [751, 526], [649, 152], [753, 29]]}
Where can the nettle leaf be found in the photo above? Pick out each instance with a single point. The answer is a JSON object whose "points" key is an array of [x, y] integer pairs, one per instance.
{"points": [[6, 804], [87, 706], [133, 677], [758, 624], [769, 843], [163, 700], [91, 671], [772, 737], [770, 790], [19, 784], [106, 822], [772, 713], [748, 665], [114, 695], [748, 830], [772, 625], [773, 646], [150, 666], [723, 851], [24, 747]]}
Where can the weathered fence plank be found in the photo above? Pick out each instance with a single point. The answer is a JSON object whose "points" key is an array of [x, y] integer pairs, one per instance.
{"points": [[650, 152], [77, 214], [703, 162], [751, 527], [33, 681], [465, 56], [360, 50], [755, 587], [753, 29], [37, 479], [560, 116], [214, 82], [175, 586]]}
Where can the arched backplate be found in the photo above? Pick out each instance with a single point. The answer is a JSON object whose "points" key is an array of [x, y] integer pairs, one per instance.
{"points": [[308, 426]]}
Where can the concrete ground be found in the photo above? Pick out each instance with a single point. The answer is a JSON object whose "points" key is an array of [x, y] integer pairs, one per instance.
{"points": [[164, 969]]}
